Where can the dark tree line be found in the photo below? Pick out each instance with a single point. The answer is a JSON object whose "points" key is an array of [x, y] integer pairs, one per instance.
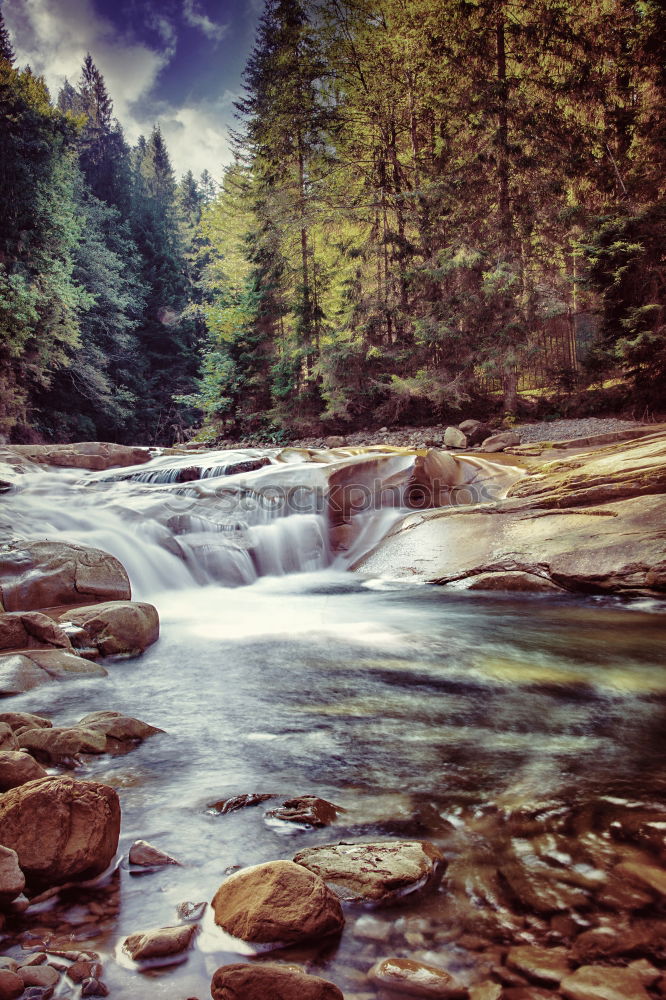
{"points": [[96, 281]]}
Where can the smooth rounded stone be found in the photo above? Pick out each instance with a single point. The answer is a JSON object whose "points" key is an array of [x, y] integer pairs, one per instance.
{"points": [[548, 965], [160, 942], [24, 720], [375, 872], [82, 969], [119, 727], [308, 809], [12, 879], [277, 902], [597, 982], [334, 441], [62, 830], [11, 985], [414, 978], [270, 980], [454, 437], [61, 743], [498, 442], [485, 991], [117, 628], [38, 975], [144, 855], [62, 665], [36, 575]]}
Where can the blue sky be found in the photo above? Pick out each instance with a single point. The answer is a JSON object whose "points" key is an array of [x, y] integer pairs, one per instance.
{"points": [[176, 62]]}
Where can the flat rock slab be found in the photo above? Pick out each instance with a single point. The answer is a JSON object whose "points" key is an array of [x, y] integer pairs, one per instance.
{"points": [[277, 903], [161, 942], [415, 979], [269, 980], [374, 872], [548, 965], [35, 575], [93, 455], [597, 982], [24, 671]]}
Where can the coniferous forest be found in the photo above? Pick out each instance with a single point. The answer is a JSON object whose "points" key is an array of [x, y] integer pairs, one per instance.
{"points": [[421, 194]]}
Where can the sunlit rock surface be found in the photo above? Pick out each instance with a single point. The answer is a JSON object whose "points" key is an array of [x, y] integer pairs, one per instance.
{"points": [[590, 522]]}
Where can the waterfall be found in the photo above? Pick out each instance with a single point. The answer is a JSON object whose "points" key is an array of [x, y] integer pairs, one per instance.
{"points": [[226, 517]]}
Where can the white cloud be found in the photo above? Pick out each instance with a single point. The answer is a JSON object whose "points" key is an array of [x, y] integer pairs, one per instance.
{"points": [[53, 37], [195, 17]]}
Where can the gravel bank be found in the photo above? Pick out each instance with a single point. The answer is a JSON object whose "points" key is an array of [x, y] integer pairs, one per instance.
{"points": [[566, 430]]}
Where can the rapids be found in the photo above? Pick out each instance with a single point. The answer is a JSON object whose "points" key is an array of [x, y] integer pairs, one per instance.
{"points": [[477, 721]]}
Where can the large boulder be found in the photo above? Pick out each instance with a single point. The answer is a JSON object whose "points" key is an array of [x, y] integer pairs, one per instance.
{"points": [[277, 903], [270, 980], [61, 744], [94, 455], [498, 442], [37, 575], [62, 830], [116, 628], [378, 873]]}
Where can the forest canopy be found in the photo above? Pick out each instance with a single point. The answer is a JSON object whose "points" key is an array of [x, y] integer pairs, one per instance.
{"points": [[430, 203]]}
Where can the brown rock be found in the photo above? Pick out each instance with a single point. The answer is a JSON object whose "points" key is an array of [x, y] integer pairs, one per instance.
{"points": [[308, 809], [334, 441], [277, 902], [240, 802], [38, 975], [485, 991], [61, 743], [514, 581], [145, 855], [597, 982], [645, 876], [270, 981], [11, 985], [7, 738], [454, 437], [548, 965], [16, 768], [83, 969], [18, 674], [119, 727], [414, 978], [37, 575], [12, 880], [117, 628], [22, 720], [94, 455], [498, 442], [161, 942], [62, 830], [30, 630], [374, 872], [62, 665]]}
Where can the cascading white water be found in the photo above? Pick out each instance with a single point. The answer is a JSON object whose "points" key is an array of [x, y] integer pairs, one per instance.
{"points": [[178, 522]]}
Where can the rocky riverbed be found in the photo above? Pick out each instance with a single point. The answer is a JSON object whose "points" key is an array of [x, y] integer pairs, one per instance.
{"points": [[327, 786]]}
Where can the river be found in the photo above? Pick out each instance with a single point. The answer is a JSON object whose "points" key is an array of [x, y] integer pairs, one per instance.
{"points": [[501, 728]]}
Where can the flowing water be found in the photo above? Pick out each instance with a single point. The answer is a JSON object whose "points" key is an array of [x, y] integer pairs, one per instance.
{"points": [[524, 736]]}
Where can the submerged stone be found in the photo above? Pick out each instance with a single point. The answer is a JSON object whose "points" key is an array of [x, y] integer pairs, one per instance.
{"points": [[415, 979], [269, 980]]}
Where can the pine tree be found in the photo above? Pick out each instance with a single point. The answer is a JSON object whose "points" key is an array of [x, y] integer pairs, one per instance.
{"points": [[6, 48]]}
